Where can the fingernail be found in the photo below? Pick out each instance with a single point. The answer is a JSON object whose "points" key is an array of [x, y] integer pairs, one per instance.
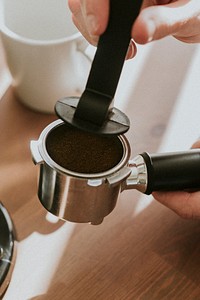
{"points": [[131, 51], [92, 24], [151, 28]]}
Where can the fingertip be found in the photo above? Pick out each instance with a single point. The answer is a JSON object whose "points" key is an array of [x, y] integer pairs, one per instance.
{"points": [[143, 31], [74, 6], [196, 144], [96, 15]]}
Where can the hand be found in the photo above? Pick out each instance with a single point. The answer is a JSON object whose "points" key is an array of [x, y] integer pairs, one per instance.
{"points": [[185, 204], [157, 19]]}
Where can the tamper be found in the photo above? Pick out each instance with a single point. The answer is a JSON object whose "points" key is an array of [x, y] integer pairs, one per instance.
{"points": [[93, 112]]}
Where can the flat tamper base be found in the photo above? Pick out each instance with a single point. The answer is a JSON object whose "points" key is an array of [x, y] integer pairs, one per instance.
{"points": [[116, 122]]}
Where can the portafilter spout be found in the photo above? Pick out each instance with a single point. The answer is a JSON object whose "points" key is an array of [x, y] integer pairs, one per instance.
{"points": [[92, 112]]}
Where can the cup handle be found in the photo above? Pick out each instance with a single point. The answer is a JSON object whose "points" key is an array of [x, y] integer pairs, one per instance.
{"points": [[85, 48]]}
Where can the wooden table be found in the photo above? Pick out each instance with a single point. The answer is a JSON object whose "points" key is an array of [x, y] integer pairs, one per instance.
{"points": [[142, 250]]}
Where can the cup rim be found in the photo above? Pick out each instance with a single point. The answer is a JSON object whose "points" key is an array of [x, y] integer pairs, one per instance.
{"points": [[22, 39], [51, 163]]}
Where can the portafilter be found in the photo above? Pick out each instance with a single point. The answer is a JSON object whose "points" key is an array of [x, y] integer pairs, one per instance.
{"points": [[82, 174]]}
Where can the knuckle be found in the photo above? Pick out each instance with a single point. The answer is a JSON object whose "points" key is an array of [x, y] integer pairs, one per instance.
{"points": [[186, 213]]}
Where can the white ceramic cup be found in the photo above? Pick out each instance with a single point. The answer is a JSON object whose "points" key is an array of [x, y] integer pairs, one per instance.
{"points": [[46, 55]]}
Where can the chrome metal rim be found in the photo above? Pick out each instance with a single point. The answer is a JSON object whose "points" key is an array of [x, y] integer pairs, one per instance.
{"points": [[47, 159], [7, 249]]}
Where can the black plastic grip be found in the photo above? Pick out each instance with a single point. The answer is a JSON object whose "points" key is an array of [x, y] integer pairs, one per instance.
{"points": [[109, 58], [173, 171]]}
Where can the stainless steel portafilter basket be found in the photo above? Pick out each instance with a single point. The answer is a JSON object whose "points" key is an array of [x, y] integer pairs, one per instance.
{"points": [[75, 196]]}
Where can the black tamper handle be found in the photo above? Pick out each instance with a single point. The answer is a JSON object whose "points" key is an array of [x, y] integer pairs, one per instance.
{"points": [[173, 171], [106, 68]]}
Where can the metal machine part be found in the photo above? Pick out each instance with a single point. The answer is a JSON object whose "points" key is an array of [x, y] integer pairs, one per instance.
{"points": [[7, 249], [88, 198], [138, 178], [77, 197], [164, 171]]}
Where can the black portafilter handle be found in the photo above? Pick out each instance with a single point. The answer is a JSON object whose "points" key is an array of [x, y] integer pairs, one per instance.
{"points": [[93, 112], [173, 171]]}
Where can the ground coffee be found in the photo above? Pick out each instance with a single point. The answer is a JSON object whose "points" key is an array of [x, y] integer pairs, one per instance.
{"points": [[83, 152]]}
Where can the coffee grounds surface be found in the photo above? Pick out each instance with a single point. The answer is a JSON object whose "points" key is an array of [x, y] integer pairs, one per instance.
{"points": [[83, 152]]}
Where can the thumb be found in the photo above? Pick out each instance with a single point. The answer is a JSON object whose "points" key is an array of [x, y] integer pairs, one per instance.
{"points": [[196, 145], [157, 21]]}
